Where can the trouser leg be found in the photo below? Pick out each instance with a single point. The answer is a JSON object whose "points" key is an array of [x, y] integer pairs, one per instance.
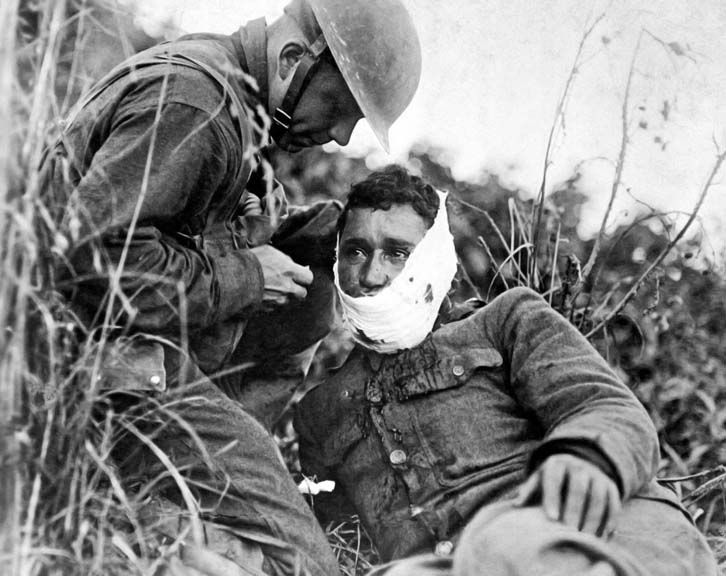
{"points": [[651, 538], [234, 472], [502, 540], [215, 551], [276, 350], [420, 565]]}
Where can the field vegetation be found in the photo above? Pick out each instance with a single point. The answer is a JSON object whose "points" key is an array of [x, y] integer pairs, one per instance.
{"points": [[649, 292]]}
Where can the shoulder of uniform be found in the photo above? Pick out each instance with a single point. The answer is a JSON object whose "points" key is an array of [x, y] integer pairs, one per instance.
{"points": [[485, 322], [514, 300], [192, 77]]}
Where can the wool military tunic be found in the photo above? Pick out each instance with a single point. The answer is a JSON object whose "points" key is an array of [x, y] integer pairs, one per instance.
{"points": [[418, 441], [166, 150], [150, 176]]}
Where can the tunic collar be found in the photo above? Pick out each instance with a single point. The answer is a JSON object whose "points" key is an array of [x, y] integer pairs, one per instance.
{"points": [[250, 43]]}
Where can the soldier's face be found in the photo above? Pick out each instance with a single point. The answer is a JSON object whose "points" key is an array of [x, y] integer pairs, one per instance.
{"points": [[374, 247], [326, 111]]}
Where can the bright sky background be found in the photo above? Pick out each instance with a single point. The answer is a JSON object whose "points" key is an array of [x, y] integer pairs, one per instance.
{"points": [[495, 70]]}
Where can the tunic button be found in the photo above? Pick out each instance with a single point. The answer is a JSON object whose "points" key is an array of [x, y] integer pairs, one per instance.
{"points": [[397, 457], [443, 548], [458, 370], [155, 380]]}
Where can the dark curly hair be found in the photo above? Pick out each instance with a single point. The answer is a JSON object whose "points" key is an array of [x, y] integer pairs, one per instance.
{"points": [[392, 185]]}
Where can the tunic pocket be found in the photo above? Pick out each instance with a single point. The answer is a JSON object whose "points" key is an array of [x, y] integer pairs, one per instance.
{"points": [[466, 421], [449, 372], [132, 365]]}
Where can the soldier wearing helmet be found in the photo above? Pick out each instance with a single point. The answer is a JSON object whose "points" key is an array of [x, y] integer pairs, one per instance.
{"points": [[180, 258], [375, 48]]}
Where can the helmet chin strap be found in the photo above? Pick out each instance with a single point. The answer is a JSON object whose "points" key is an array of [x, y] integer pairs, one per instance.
{"points": [[305, 70]]}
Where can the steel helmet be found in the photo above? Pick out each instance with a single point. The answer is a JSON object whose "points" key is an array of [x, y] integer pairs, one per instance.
{"points": [[376, 48]]}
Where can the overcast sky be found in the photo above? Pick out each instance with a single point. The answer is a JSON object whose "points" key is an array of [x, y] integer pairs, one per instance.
{"points": [[494, 72]]}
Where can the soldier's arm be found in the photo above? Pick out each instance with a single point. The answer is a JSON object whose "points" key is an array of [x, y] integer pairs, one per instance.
{"points": [[146, 174], [599, 443]]}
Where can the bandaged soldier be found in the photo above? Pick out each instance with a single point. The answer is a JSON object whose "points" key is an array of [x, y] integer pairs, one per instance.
{"points": [[492, 442]]}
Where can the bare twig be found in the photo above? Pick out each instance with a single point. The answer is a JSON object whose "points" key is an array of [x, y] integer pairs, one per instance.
{"points": [[556, 123], [706, 488], [554, 263], [644, 276], [468, 280], [587, 271], [707, 474], [518, 227], [672, 48], [497, 267], [486, 215]]}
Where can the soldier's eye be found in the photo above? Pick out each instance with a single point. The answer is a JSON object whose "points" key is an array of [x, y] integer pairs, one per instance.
{"points": [[354, 254], [399, 255]]}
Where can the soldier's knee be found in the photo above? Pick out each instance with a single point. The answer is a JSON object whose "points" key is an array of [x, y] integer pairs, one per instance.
{"points": [[497, 539], [505, 540]]}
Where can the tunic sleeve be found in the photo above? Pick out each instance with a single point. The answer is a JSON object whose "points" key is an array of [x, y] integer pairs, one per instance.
{"points": [[153, 167], [563, 381]]}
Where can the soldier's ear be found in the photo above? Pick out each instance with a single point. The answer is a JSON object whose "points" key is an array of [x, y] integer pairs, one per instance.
{"points": [[289, 58]]}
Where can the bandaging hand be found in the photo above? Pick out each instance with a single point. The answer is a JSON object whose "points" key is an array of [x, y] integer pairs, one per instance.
{"points": [[573, 491], [252, 205], [284, 279]]}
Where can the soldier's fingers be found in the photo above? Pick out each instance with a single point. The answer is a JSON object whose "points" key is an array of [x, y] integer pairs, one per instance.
{"points": [[615, 502], [281, 296], [274, 297], [553, 485], [614, 505], [577, 496], [529, 491], [597, 511], [297, 291], [302, 275]]}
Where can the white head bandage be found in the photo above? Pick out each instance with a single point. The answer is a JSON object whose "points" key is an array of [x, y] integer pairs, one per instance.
{"points": [[403, 313]]}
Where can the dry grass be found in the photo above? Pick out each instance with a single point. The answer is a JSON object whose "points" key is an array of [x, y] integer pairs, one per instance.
{"points": [[65, 510]]}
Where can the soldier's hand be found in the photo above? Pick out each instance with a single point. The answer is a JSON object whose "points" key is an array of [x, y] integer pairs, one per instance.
{"points": [[575, 492], [284, 279]]}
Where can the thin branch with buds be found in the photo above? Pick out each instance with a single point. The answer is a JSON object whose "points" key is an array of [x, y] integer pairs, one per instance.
{"points": [[587, 271], [557, 122], [646, 274]]}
